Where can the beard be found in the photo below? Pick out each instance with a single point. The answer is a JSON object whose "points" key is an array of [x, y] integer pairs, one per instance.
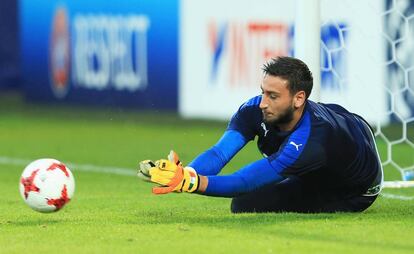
{"points": [[283, 118]]}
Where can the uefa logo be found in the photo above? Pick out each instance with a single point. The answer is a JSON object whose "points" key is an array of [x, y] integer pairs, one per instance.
{"points": [[59, 53]]}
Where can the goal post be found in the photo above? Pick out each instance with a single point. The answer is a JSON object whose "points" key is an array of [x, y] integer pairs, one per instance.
{"points": [[307, 29]]}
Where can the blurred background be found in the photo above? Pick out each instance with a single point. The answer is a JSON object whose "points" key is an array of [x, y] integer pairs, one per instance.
{"points": [[202, 59], [9, 46], [103, 84]]}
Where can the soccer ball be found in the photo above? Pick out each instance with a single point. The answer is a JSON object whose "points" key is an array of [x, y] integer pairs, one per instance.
{"points": [[46, 185]]}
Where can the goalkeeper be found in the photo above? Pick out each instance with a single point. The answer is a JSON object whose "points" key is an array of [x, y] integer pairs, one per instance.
{"points": [[317, 157]]}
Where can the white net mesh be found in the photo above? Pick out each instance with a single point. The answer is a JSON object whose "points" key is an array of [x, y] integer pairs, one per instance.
{"points": [[367, 51]]}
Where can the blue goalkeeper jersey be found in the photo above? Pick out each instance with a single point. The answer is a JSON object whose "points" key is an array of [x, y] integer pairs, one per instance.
{"points": [[328, 147]]}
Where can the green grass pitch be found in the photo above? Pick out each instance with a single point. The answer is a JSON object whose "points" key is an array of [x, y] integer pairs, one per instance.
{"points": [[118, 214]]}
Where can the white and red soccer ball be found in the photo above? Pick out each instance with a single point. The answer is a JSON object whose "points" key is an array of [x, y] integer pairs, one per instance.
{"points": [[46, 185]]}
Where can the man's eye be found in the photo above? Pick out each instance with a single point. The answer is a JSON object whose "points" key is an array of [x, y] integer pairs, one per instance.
{"points": [[272, 96]]}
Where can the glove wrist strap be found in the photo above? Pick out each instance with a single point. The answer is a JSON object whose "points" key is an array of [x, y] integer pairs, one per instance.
{"points": [[194, 180]]}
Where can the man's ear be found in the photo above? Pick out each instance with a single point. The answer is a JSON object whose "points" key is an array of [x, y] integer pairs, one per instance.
{"points": [[299, 99]]}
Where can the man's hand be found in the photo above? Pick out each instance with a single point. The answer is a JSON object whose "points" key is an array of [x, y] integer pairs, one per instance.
{"points": [[173, 176], [143, 170]]}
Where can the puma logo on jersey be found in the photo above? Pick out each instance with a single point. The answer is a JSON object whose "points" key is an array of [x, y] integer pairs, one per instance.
{"points": [[265, 129], [295, 145]]}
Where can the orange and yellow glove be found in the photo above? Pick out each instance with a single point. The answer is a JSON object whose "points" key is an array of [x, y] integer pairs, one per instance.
{"points": [[173, 176]]}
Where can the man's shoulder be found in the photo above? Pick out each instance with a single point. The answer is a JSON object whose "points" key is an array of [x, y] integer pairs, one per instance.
{"points": [[250, 110], [252, 102], [319, 108], [247, 119], [327, 113], [331, 119]]}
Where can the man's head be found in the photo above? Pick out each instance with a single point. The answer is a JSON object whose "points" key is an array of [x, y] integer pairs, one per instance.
{"points": [[286, 85]]}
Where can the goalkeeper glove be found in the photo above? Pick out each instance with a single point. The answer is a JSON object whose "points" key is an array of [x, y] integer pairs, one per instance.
{"points": [[145, 165], [173, 176], [143, 170]]}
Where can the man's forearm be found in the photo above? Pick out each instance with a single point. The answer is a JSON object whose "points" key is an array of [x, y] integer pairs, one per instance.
{"points": [[214, 159], [250, 177]]}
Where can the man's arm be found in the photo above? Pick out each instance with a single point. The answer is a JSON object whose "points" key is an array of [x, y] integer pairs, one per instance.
{"points": [[175, 178], [251, 177], [241, 129], [214, 159]]}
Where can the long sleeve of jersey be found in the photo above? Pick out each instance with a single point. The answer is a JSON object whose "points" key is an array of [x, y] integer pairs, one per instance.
{"points": [[249, 178], [214, 159]]}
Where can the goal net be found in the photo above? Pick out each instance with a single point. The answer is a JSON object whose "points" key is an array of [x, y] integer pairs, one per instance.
{"points": [[367, 65]]}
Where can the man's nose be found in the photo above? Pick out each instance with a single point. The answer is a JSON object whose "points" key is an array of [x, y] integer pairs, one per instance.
{"points": [[263, 104]]}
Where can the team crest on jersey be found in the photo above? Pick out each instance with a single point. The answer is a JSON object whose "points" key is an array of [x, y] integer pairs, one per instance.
{"points": [[59, 58]]}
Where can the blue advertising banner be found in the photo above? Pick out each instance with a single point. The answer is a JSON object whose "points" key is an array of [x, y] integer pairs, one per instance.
{"points": [[120, 53], [9, 46]]}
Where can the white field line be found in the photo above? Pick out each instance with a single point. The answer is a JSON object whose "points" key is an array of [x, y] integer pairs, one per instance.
{"points": [[399, 197], [128, 172], [73, 166]]}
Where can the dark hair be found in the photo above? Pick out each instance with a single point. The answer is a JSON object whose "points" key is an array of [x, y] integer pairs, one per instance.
{"points": [[293, 70]]}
